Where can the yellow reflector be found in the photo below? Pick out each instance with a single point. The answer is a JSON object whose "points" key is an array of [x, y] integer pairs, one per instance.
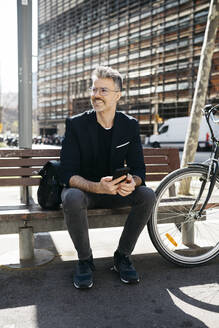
{"points": [[170, 238]]}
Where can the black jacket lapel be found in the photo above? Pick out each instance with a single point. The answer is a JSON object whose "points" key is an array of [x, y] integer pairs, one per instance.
{"points": [[93, 134], [117, 132]]}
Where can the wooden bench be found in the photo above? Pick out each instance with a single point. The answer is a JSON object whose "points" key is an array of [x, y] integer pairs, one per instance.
{"points": [[19, 167]]}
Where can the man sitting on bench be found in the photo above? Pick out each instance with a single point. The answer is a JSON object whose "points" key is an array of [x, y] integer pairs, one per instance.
{"points": [[96, 143]]}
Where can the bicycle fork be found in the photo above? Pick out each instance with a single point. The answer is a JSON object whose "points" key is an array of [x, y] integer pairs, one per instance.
{"points": [[210, 190]]}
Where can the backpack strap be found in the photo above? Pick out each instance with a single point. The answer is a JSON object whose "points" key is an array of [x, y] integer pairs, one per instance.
{"points": [[52, 166]]}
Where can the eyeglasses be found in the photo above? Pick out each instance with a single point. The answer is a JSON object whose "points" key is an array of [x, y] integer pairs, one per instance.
{"points": [[102, 91]]}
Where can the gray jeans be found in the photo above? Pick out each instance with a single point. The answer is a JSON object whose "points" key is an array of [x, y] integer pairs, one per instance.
{"points": [[76, 202]]}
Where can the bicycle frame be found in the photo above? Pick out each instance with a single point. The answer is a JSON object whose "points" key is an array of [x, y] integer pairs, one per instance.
{"points": [[213, 167]]}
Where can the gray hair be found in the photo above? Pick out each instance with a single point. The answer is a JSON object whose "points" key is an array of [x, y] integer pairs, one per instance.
{"points": [[106, 72]]}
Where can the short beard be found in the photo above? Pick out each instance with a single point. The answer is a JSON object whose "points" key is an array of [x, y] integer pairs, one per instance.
{"points": [[96, 109]]}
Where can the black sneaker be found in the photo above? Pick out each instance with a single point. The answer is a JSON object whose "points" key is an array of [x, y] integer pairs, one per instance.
{"points": [[125, 268], [83, 277]]}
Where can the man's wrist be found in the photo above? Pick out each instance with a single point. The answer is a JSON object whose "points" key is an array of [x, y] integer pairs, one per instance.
{"points": [[137, 180], [79, 182]]}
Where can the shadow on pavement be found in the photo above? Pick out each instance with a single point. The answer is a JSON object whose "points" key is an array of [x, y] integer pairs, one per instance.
{"points": [[45, 297]]}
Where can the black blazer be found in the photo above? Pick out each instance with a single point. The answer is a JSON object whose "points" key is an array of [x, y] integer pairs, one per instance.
{"points": [[80, 147]]}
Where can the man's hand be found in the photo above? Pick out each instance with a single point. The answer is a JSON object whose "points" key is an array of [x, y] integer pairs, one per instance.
{"points": [[109, 186], [106, 185], [127, 187]]}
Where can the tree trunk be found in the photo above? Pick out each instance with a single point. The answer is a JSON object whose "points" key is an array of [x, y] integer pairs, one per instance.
{"points": [[192, 136]]}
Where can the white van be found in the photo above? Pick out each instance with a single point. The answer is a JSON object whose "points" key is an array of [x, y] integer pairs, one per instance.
{"points": [[172, 133]]}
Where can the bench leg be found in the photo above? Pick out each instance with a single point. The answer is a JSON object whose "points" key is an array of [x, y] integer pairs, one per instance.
{"points": [[188, 233], [25, 193], [29, 256], [26, 243]]}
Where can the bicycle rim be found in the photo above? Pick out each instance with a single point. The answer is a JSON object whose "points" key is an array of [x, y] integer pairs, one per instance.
{"points": [[175, 228]]}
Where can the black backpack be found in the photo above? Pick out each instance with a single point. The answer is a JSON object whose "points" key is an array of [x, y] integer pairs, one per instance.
{"points": [[50, 188]]}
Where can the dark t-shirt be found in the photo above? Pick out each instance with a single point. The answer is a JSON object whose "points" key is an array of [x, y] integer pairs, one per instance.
{"points": [[104, 150]]}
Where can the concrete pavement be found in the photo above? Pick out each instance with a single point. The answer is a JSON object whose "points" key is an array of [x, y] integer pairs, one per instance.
{"points": [[167, 296]]}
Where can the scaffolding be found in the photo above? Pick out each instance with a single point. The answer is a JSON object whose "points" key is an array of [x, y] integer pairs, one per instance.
{"points": [[155, 45]]}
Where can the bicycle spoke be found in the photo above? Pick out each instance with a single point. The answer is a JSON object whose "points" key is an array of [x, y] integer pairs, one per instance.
{"points": [[176, 229]]}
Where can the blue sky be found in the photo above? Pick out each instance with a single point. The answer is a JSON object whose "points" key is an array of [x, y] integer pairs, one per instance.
{"points": [[8, 43]]}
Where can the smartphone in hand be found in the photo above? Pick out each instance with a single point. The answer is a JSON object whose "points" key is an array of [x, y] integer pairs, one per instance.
{"points": [[120, 172]]}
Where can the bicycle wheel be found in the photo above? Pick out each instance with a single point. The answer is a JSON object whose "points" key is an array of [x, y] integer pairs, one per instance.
{"points": [[175, 228]]}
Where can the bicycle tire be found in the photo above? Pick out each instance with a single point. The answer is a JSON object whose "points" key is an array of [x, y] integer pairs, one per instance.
{"points": [[197, 240]]}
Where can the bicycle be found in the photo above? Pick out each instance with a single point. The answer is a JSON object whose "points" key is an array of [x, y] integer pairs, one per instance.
{"points": [[184, 226]]}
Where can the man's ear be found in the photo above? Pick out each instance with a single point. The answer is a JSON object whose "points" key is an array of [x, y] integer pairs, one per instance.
{"points": [[118, 95]]}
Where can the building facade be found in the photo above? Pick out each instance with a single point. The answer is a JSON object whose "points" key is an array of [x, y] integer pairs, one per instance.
{"points": [[155, 45]]}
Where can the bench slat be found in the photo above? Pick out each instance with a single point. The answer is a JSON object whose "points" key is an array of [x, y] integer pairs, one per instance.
{"points": [[155, 177], [19, 162], [159, 151], [157, 168], [29, 152], [7, 182], [29, 171], [156, 160]]}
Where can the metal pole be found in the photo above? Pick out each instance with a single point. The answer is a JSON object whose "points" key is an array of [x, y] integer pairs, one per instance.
{"points": [[24, 14]]}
